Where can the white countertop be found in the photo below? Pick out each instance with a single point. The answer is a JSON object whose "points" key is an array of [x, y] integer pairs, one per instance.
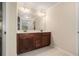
{"points": [[30, 31]]}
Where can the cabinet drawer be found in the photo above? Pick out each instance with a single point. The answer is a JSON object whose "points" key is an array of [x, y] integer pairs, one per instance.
{"points": [[46, 34], [26, 36]]}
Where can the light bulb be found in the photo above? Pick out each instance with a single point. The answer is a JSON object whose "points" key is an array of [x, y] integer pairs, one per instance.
{"points": [[24, 10], [41, 14], [27, 10]]}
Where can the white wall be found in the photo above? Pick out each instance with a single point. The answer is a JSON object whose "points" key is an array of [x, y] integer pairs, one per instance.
{"points": [[61, 21], [77, 27], [9, 44]]}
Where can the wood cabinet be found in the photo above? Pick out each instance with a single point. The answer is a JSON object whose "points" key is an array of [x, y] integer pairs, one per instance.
{"points": [[46, 39], [30, 41]]}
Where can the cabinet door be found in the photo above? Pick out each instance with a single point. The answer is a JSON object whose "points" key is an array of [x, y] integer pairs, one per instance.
{"points": [[28, 44], [24, 43], [46, 39], [21, 45], [18, 45], [37, 40]]}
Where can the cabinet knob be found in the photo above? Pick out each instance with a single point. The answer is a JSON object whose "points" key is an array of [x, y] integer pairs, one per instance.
{"points": [[4, 32], [78, 32]]}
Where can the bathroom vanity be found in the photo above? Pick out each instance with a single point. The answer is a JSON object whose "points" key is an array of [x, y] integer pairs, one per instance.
{"points": [[31, 41]]}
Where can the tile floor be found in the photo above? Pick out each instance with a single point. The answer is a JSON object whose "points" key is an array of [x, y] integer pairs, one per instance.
{"points": [[45, 51]]}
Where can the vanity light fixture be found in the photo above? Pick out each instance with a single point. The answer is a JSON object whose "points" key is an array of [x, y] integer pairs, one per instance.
{"points": [[25, 10], [27, 17], [21, 9]]}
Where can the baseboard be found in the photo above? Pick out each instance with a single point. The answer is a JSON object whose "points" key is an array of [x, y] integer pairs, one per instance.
{"points": [[68, 53]]}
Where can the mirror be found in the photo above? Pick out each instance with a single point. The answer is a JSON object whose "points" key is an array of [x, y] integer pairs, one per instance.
{"points": [[31, 19]]}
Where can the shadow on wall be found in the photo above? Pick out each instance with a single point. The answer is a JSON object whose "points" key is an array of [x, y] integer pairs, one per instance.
{"points": [[52, 41]]}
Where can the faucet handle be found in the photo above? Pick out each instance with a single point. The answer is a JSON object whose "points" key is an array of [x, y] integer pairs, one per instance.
{"points": [[41, 30]]}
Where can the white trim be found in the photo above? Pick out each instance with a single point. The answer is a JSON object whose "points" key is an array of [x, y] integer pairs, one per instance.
{"points": [[3, 29], [77, 39], [66, 52]]}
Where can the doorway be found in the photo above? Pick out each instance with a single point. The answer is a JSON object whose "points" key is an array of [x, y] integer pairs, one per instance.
{"points": [[0, 28]]}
